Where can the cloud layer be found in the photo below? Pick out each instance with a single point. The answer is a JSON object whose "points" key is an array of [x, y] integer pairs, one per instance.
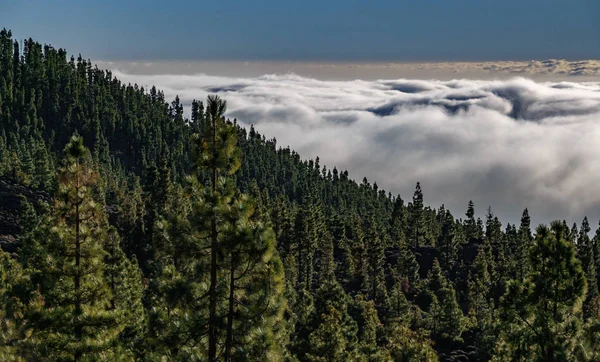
{"points": [[510, 144]]}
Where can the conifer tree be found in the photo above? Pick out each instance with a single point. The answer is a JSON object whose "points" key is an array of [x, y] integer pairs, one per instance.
{"points": [[416, 223], [447, 241], [522, 247], [406, 345], [220, 283], [399, 307], [369, 328], [71, 316], [328, 342], [444, 313], [219, 156], [470, 223], [306, 230], [124, 279], [255, 303], [596, 249], [11, 307], [375, 283], [500, 254], [481, 302], [542, 314], [585, 253], [331, 316], [407, 270], [359, 260], [397, 231]]}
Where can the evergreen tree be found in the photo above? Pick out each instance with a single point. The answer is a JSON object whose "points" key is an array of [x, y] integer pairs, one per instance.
{"points": [[585, 253], [596, 249], [124, 279], [397, 222], [408, 270], [331, 315], [217, 256], [11, 307], [307, 228], [470, 223], [218, 156], [211, 285], [522, 247], [71, 316], [399, 307], [445, 316], [375, 286], [447, 241], [255, 303], [406, 345], [327, 342], [542, 314], [416, 223], [481, 303]]}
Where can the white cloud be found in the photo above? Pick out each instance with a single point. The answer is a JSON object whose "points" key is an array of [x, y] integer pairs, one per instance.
{"points": [[509, 144]]}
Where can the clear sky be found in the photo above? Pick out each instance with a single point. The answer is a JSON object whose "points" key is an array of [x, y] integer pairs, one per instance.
{"points": [[332, 30]]}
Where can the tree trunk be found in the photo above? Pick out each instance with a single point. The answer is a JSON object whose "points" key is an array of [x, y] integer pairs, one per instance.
{"points": [[212, 319], [229, 341], [78, 330]]}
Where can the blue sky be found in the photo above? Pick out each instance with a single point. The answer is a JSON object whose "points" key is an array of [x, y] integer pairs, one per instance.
{"points": [[332, 30]]}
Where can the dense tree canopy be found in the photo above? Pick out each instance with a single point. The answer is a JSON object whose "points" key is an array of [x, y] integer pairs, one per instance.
{"points": [[166, 238]]}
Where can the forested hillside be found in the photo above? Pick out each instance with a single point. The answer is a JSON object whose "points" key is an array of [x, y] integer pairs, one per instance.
{"points": [[131, 232]]}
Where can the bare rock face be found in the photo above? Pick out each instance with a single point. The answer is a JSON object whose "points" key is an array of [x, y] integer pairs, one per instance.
{"points": [[12, 198]]}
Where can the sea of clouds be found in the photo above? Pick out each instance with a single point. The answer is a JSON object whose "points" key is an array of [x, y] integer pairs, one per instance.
{"points": [[507, 144]]}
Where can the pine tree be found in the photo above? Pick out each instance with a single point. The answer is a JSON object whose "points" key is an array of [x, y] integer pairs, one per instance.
{"points": [[306, 228], [124, 279], [406, 345], [596, 249], [585, 253], [444, 313], [331, 315], [359, 259], [416, 223], [255, 303], [542, 314], [327, 342], [70, 316], [369, 327], [522, 247], [12, 279], [500, 254], [470, 223], [217, 256], [407, 270], [397, 222], [481, 303], [447, 241], [375, 283], [399, 307], [218, 156]]}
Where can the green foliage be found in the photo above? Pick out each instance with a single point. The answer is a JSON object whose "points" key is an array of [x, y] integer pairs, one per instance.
{"points": [[416, 228], [406, 345], [218, 257], [11, 306], [246, 251], [445, 318], [72, 314], [481, 303], [327, 342], [542, 313]]}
